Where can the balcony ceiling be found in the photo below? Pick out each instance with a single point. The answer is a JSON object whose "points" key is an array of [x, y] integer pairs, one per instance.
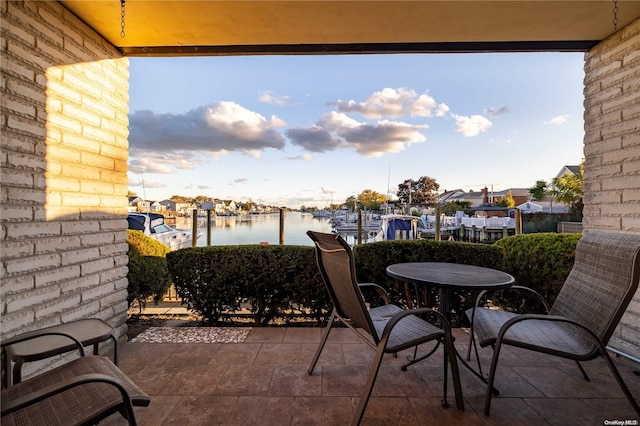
{"points": [[177, 27]]}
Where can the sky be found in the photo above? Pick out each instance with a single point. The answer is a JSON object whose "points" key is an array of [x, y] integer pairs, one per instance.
{"points": [[310, 130]]}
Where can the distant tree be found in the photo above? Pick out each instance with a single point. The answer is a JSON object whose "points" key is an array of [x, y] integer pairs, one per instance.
{"points": [[248, 206], [539, 190], [181, 199], [569, 189], [451, 207], [199, 199], [351, 202], [403, 190], [507, 201], [371, 199], [131, 194], [423, 191]]}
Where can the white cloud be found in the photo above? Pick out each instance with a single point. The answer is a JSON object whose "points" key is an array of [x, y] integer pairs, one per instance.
{"points": [[471, 125], [240, 181], [492, 112], [145, 183], [304, 157], [560, 119], [269, 97], [336, 130], [161, 143], [390, 102], [148, 165]]}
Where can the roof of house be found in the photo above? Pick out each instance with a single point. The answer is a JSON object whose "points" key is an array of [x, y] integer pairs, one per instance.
{"points": [[521, 192]]}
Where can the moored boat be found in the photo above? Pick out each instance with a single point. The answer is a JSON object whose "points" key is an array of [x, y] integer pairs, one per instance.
{"points": [[154, 226]]}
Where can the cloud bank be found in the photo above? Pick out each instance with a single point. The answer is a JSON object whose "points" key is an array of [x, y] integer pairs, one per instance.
{"points": [[394, 103], [390, 120], [178, 139]]}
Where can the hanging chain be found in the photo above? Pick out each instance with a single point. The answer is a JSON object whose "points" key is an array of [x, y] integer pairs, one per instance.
{"points": [[122, 18], [615, 15]]}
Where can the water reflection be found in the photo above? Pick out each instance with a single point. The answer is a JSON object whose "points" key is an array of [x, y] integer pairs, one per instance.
{"points": [[256, 229]]}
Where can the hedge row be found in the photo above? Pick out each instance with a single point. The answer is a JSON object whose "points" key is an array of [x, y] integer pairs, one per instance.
{"points": [[276, 281], [280, 282]]}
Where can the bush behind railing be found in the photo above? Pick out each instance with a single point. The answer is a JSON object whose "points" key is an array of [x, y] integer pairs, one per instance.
{"points": [[541, 262], [278, 281], [275, 280]]}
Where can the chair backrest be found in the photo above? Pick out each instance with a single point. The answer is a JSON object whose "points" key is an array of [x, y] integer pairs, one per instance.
{"points": [[337, 267], [602, 282]]}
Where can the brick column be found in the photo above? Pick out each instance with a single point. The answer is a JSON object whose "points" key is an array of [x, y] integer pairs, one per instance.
{"points": [[612, 151], [63, 171]]}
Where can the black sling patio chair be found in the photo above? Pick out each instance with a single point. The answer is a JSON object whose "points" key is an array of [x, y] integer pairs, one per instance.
{"points": [[83, 391], [387, 328], [578, 326]]}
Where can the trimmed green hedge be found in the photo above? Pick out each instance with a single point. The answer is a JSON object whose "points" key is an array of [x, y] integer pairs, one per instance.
{"points": [[278, 282], [148, 273], [275, 280], [541, 262]]}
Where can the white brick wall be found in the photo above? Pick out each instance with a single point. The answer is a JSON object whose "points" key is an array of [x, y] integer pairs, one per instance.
{"points": [[612, 151], [63, 171]]}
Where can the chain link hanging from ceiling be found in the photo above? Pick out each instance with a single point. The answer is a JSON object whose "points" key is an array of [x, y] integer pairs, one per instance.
{"points": [[122, 11]]}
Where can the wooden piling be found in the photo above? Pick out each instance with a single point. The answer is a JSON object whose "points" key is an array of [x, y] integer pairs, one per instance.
{"points": [[281, 239], [194, 228]]}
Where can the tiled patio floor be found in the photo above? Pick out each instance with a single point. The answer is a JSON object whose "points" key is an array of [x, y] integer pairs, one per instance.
{"points": [[263, 381]]}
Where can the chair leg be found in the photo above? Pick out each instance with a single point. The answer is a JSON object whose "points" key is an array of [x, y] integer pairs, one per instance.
{"points": [[445, 376], [492, 374], [450, 354], [366, 394], [584, 373], [620, 381], [325, 335]]}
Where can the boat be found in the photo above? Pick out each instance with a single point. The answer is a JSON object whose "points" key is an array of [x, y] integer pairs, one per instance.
{"points": [[154, 226]]}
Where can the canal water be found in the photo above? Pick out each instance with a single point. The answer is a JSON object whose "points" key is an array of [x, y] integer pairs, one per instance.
{"points": [[256, 229]]}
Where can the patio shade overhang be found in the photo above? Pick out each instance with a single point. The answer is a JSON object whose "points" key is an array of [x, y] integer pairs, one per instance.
{"points": [[192, 28]]}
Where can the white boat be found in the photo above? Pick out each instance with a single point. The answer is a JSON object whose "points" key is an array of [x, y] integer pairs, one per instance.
{"points": [[153, 225]]}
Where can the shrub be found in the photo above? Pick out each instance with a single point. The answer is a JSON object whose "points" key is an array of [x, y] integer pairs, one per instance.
{"points": [[538, 261], [148, 273], [272, 279], [280, 281]]}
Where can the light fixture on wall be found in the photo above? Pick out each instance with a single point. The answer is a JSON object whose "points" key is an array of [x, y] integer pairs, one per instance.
{"points": [[122, 18]]}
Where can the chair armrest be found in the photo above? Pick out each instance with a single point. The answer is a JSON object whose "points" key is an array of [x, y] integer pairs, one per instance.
{"points": [[39, 333], [519, 288], [397, 317], [381, 291], [542, 317], [44, 393]]}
